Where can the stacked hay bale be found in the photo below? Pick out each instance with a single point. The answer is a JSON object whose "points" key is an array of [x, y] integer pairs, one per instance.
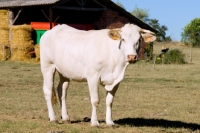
{"points": [[111, 19], [4, 35], [22, 43], [37, 52]]}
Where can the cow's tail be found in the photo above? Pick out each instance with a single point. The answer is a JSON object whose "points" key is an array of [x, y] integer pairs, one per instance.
{"points": [[54, 98]]}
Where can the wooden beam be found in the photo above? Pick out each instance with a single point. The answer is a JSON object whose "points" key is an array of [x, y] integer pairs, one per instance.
{"points": [[78, 8], [45, 15], [82, 3], [50, 16], [98, 3], [17, 15]]}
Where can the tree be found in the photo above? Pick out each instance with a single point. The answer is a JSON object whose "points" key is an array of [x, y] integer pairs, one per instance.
{"points": [[141, 14], [161, 35], [120, 4], [191, 33]]}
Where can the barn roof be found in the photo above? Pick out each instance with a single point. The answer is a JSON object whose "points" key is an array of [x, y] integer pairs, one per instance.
{"points": [[20, 3], [105, 3]]}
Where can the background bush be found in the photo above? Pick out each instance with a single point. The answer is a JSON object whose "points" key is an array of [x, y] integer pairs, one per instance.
{"points": [[174, 56]]}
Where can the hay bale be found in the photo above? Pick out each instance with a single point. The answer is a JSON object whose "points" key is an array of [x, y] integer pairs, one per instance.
{"points": [[4, 52], [22, 43], [4, 12], [37, 52], [4, 36], [5, 18], [21, 54], [21, 33], [21, 36], [4, 43]]}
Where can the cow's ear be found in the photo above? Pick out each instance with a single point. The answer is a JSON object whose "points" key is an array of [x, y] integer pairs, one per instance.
{"points": [[148, 36], [114, 34]]}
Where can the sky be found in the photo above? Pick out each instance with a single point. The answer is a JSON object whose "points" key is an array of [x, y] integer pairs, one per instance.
{"points": [[175, 14]]}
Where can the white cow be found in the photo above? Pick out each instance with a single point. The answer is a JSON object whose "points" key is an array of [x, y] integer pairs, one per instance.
{"points": [[93, 56]]}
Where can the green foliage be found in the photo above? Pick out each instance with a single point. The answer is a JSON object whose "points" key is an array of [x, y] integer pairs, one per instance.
{"points": [[191, 33], [149, 51], [174, 56], [141, 14], [120, 4], [161, 35]]}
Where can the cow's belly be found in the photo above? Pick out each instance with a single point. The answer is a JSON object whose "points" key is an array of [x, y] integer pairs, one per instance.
{"points": [[71, 70], [72, 74]]}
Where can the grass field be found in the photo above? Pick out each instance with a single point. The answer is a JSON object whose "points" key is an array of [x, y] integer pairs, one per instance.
{"points": [[164, 99]]}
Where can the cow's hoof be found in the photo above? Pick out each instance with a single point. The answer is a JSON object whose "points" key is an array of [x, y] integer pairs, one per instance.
{"points": [[95, 124], [66, 122]]}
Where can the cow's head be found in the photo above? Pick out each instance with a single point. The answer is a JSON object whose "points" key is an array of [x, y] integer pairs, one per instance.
{"points": [[130, 37]]}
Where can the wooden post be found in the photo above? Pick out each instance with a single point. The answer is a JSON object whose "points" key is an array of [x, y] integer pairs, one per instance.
{"points": [[190, 53], [50, 16], [3, 47], [12, 20], [151, 50], [154, 62]]}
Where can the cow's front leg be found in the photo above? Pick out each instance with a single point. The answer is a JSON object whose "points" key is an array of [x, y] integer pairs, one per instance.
{"points": [[62, 93], [109, 101], [94, 97]]}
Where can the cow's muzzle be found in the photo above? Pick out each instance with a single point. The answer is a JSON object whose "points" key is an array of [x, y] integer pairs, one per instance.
{"points": [[132, 58]]}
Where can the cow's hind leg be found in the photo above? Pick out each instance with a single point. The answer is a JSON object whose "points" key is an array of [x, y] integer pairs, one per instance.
{"points": [[94, 97], [62, 93], [109, 101], [48, 75]]}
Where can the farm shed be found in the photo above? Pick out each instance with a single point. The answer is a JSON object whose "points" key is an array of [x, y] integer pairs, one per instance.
{"points": [[42, 15]]}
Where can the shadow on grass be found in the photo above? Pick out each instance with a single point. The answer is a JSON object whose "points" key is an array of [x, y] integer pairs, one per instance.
{"points": [[157, 123]]}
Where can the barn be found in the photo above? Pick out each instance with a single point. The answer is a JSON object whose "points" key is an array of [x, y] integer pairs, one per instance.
{"points": [[24, 21]]}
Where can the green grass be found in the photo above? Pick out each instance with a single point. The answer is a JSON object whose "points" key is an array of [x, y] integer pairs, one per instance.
{"points": [[164, 99]]}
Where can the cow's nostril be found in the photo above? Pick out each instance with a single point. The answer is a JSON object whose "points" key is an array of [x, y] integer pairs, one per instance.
{"points": [[132, 57], [135, 58]]}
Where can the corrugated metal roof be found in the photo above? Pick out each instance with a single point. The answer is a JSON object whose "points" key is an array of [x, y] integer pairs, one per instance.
{"points": [[18, 3]]}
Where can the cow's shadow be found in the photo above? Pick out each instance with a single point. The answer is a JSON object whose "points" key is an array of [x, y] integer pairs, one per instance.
{"points": [[144, 122], [140, 122]]}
